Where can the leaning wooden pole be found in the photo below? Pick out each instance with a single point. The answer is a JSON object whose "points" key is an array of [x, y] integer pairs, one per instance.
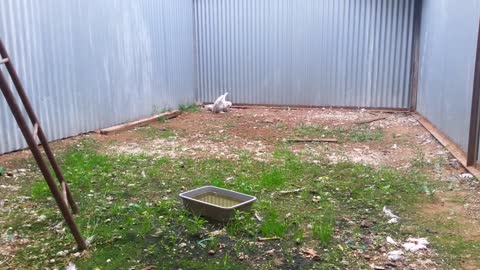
{"points": [[61, 200], [33, 118]]}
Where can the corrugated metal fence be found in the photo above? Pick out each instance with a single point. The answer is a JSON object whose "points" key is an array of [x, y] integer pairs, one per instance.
{"points": [[89, 64], [448, 49], [305, 52], [84, 61]]}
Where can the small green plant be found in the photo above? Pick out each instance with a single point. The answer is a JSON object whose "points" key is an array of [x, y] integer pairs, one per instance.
{"points": [[195, 225], [272, 226], [242, 224], [323, 231], [281, 126], [162, 120], [245, 185], [150, 132], [167, 133], [212, 243], [299, 235], [189, 107], [362, 135], [229, 264], [272, 178], [420, 161], [40, 189], [356, 134]]}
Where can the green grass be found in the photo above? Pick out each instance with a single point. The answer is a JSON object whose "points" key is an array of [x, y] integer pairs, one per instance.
{"points": [[273, 178], [189, 107], [273, 225], [242, 224], [323, 228], [446, 236], [324, 232], [359, 133], [362, 135], [150, 132], [130, 206], [162, 120]]}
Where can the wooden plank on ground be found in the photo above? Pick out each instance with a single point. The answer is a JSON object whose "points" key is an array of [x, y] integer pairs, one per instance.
{"points": [[305, 107], [454, 149], [371, 120], [138, 123]]}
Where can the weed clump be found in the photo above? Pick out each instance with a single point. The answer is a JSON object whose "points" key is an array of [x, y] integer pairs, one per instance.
{"points": [[360, 133], [192, 107], [273, 226]]}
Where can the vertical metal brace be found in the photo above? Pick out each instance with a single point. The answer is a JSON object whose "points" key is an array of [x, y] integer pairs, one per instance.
{"points": [[473, 139], [61, 200], [415, 62]]}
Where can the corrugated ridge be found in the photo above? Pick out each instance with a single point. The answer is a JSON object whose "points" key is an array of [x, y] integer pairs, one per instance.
{"points": [[90, 64], [305, 52], [449, 35]]}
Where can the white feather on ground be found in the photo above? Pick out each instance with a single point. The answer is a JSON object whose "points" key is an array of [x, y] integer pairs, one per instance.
{"points": [[415, 244], [391, 241], [395, 255], [71, 266], [388, 213]]}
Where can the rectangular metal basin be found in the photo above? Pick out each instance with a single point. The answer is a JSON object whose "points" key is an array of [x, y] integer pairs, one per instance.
{"points": [[216, 203]]}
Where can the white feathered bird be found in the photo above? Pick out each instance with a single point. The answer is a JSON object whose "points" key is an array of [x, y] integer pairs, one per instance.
{"points": [[220, 105]]}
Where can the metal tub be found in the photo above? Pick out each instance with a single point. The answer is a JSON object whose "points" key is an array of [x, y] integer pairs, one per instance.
{"points": [[213, 209]]}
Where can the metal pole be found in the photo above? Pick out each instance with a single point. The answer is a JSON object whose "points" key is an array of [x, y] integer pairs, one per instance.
{"points": [[12, 103], [34, 120], [415, 59], [473, 139]]}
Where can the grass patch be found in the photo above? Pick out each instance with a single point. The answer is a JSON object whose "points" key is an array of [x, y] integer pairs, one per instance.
{"points": [[242, 224], [150, 132], [189, 107], [273, 225], [130, 206], [162, 120], [447, 237], [272, 178], [323, 231], [359, 133]]}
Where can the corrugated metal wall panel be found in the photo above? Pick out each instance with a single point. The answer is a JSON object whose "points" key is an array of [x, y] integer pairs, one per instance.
{"points": [[447, 64], [305, 52], [90, 64]]}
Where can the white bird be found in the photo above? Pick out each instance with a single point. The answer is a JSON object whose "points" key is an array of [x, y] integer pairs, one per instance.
{"points": [[220, 105]]}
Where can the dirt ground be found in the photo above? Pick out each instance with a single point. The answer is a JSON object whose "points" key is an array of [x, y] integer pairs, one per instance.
{"points": [[258, 131]]}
